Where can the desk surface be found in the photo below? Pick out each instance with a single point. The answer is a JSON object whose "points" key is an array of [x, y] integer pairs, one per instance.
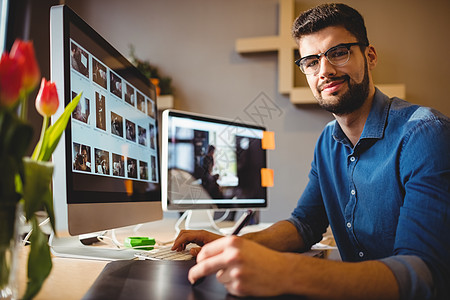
{"points": [[72, 278], [69, 278]]}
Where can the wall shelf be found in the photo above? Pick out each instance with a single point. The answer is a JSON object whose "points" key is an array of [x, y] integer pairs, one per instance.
{"points": [[164, 102]]}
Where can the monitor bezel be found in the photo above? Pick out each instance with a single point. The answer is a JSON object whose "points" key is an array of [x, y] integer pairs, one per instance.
{"points": [[166, 201]]}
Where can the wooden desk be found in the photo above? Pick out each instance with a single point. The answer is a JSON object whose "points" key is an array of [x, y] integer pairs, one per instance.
{"points": [[71, 278]]}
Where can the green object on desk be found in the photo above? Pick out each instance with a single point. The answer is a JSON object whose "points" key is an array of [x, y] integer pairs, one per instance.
{"points": [[138, 242]]}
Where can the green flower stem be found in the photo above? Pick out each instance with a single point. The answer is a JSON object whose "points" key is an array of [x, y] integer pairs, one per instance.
{"points": [[37, 151], [23, 106], [44, 127]]}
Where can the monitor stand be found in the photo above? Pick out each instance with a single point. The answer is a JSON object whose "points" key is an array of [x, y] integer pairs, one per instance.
{"points": [[204, 219], [71, 247], [201, 219]]}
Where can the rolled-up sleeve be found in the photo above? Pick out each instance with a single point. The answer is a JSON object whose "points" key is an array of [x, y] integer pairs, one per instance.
{"points": [[423, 229], [413, 276]]}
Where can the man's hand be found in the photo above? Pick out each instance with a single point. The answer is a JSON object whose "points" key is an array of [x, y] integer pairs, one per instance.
{"points": [[242, 266], [248, 266], [199, 237]]}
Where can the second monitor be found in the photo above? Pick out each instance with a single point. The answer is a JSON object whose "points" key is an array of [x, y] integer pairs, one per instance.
{"points": [[209, 163]]}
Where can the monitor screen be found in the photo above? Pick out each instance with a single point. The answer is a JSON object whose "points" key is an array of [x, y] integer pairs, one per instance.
{"points": [[211, 163], [107, 163]]}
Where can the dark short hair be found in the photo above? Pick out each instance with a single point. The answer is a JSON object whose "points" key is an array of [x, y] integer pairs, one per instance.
{"points": [[331, 14]]}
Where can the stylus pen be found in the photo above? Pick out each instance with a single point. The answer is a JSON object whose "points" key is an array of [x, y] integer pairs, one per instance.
{"points": [[249, 214], [244, 222]]}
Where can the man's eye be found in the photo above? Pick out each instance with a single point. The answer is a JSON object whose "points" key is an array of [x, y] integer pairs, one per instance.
{"points": [[311, 63], [338, 53]]}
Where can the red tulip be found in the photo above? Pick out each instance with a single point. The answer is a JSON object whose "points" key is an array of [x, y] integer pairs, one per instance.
{"points": [[24, 52], [47, 101], [10, 80]]}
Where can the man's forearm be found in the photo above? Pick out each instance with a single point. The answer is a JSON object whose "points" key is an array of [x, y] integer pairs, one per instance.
{"points": [[325, 279], [281, 236]]}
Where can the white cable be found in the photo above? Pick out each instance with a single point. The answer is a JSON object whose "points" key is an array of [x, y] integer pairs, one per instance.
{"points": [[224, 216], [114, 238], [137, 227], [50, 239], [102, 238], [119, 245], [122, 246], [27, 237], [177, 229], [178, 223], [210, 213]]}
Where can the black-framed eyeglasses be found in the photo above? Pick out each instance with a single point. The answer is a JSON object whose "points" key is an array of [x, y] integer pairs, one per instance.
{"points": [[338, 55]]}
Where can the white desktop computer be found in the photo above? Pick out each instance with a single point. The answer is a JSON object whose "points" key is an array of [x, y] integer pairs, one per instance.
{"points": [[107, 172], [107, 166]]}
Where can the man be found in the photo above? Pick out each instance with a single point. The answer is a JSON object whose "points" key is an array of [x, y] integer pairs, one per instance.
{"points": [[380, 178], [209, 180], [82, 160]]}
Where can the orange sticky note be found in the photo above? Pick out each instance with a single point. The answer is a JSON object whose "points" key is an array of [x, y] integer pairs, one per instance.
{"points": [[129, 187], [266, 177], [268, 140]]}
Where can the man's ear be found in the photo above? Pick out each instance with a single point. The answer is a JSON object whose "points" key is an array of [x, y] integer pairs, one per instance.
{"points": [[372, 57]]}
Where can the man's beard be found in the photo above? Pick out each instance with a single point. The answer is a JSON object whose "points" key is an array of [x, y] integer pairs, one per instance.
{"points": [[351, 100]]}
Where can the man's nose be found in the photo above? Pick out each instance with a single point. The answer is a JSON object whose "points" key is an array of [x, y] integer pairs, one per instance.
{"points": [[326, 69]]}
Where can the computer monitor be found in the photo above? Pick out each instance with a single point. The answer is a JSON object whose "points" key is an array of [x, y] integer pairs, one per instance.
{"points": [[107, 172], [210, 163]]}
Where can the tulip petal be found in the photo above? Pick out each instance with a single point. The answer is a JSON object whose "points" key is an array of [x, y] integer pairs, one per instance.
{"points": [[47, 100], [24, 52], [11, 74]]}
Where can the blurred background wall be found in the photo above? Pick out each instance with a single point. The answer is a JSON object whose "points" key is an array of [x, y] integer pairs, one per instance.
{"points": [[193, 42]]}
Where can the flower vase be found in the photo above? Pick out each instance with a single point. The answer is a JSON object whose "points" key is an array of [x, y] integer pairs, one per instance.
{"points": [[37, 197], [10, 242], [26, 180]]}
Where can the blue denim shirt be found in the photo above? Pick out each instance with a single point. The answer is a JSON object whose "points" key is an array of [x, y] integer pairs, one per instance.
{"points": [[388, 197]]}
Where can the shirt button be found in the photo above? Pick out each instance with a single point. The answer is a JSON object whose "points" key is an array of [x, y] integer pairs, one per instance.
{"points": [[349, 225], [352, 158], [353, 192], [361, 254]]}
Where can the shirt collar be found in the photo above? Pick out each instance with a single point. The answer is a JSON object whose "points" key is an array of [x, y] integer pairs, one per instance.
{"points": [[376, 121]]}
